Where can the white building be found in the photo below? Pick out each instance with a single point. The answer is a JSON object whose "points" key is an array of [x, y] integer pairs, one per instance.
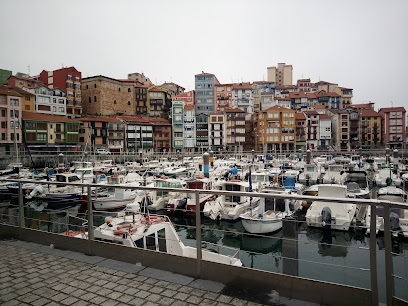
{"points": [[242, 97], [325, 130], [189, 127], [217, 131], [50, 101]]}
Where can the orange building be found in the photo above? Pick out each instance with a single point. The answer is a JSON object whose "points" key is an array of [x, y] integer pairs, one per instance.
{"points": [[223, 97]]}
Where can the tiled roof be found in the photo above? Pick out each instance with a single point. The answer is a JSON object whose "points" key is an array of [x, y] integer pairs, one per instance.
{"points": [[205, 73], [368, 113], [282, 98], [391, 109], [311, 112], [319, 107], [324, 116], [277, 107], [45, 117], [361, 105], [100, 119], [300, 116], [188, 107], [299, 94], [9, 91], [233, 110], [245, 85], [285, 86]]}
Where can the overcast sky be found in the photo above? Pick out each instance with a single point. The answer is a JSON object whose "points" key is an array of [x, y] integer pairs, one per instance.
{"points": [[358, 44]]}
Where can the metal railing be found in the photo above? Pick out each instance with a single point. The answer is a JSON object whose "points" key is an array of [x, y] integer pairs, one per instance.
{"points": [[373, 203]]}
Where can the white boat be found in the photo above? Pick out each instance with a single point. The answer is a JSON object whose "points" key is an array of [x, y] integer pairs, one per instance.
{"points": [[230, 207], [329, 215], [333, 174], [161, 198], [385, 177], [267, 217], [310, 174], [114, 198], [357, 184], [398, 217], [151, 232]]}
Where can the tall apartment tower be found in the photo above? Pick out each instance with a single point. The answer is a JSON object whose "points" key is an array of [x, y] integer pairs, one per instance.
{"points": [[281, 75], [204, 93], [69, 80]]}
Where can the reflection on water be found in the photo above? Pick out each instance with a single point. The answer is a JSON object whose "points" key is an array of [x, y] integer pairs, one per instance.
{"points": [[332, 256]]}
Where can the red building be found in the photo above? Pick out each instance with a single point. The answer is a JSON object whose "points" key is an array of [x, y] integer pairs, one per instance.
{"points": [[393, 126], [69, 80], [187, 97]]}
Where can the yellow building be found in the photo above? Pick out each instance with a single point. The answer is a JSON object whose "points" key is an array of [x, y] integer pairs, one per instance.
{"points": [[370, 129], [275, 129], [346, 96]]}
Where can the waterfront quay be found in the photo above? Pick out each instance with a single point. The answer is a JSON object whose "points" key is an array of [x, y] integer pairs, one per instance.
{"points": [[34, 274]]}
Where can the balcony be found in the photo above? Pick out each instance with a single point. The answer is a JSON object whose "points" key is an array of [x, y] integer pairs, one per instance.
{"points": [[59, 140]]}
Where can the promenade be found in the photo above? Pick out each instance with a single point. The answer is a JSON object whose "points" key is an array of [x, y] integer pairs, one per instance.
{"points": [[34, 274]]}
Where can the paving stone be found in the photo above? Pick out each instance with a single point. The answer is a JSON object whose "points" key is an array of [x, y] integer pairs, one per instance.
{"points": [[110, 285], [207, 285], [136, 301], [34, 286], [167, 276], [207, 302], [146, 287], [87, 296], [40, 302], [69, 290], [78, 293], [192, 299], [153, 298], [45, 292], [210, 295], [164, 300], [59, 297], [125, 298], [69, 301], [81, 303], [100, 282], [120, 288], [179, 303], [185, 289], [59, 287], [181, 296], [11, 303], [131, 291], [94, 289], [238, 302], [23, 291], [109, 303], [142, 294], [98, 300], [198, 292], [156, 289], [224, 298], [168, 293], [9, 296], [105, 292], [114, 295]]}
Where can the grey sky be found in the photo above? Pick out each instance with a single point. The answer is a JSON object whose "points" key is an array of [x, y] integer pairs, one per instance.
{"points": [[357, 44]]}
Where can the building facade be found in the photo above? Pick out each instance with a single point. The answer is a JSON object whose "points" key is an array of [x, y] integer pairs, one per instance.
{"points": [[177, 121], [189, 128], [217, 131], [187, 97], [138, 134], [340, 129], [204, 93], [50, 101], [235, 129], [223, 97], [10, 120], [393, 126], [68, 80], [346, 95], [242, 97], [300, 122], [280, 75], [202, 141]]}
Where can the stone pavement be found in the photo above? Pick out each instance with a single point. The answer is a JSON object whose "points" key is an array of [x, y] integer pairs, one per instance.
{"points": [[33, 274]]}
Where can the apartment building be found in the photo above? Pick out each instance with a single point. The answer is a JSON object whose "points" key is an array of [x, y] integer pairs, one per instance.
{"points": [[140, 78], [300, 122], [157, 101], [281, 74], [217, 131], [27, 98], [10, 119], [47, 132], [138, 131], [202, 139], [161, 134], [142, 99], [24, 82], [189, 128], [174, 89], [312, 129], [204, 93], [393, 126], [187, 97], [275, 129], [304, 85], [177, 121], [235, 129], [68, 80], [324, 134], [50, 101], [340, 129], [370, 131], [223, 97], [102, 132], [242, 97], [346, 95], [330, 100], [262, 88]]}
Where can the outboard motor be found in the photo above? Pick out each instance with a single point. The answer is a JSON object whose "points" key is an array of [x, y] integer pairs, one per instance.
{"points": [[326, 217], [394, 221], [36, 191]]}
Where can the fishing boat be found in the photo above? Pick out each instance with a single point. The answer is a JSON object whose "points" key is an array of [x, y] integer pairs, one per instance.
{"points": [[151, 232], [357, 184], [310, 175], [329, 215], [161, 198], [333, 174]]}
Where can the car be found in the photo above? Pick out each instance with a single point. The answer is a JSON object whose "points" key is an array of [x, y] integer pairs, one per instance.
{"points": [[102, 152]]}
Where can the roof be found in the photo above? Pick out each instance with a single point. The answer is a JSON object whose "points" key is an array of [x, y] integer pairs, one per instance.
{"points": [[391, 109], [233, 110], [319, 107], [205, 73], [344, 88], [327, 94], [9, 91], [300, 116], [324, 116], [88, 79], [24, 92], [98, 118], [245, 85], [188, 107], [45, 117], [369, 105], [285, 86], [299, 94], [303, 80], [281, 98], [338, 111], [368, 113], [278, 107], [311, 112]]}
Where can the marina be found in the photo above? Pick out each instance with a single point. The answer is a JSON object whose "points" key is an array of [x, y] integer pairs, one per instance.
{"points": [[332, 238]]}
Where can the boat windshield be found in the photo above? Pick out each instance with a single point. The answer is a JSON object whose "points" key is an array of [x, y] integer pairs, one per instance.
{"points": [[360, 180]]}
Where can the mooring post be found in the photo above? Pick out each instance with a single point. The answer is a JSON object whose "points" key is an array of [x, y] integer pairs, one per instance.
{"points": [[198, 233]]}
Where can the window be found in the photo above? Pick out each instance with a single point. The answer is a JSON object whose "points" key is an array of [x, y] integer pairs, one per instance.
{"points": [[27, 98], [69, 77], [128, 102], [119, 88], [94, 98], [41, 137], [86, 86], [89, 99], [95, 85], [4, 124], [128, 89], [114, 102], [14, 102]]}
